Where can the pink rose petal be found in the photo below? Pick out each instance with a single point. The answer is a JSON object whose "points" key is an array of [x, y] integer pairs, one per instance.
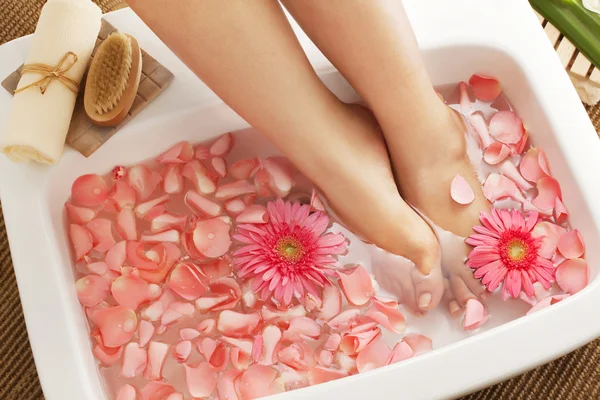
{"points": [[89, 190], [116, 325], [548, 192], [345, 320], [271, 336], [115, 257], [91, 290], [280, 172], [201, 379], [243, 169], [479, 125], [127, 392], [495, 153], [169, 254], [374, 355], [126, 225], [319, 374], [107, 355], [508, 169], [168, 221], [256, 382], [475, 314], [332, 302], [176, 312], [201, 152], [316, 204], [571, 244], [188, 333], [551, 234], [222, 145], [234, 189], [232, 323], [101, 230], [158, 307], [402, 351], [485, 88], [80, 215], [182, 351], [239, 359], [211, 237], [216, 268], [173, 180], [226, 385], [123, 196], [389, 317], [82, 240], [186, 281], [560, 212], [461, 191], [275, 316], [203, 180], [205, 327], [156, 391], [356, 285], [262, 181], [219, 166], [143, 181], [206, 347], [157, 354], [547, 302], [174, 396], [506, 127], [354, 343], [497, 187], [530, 165], [144, 208], [178, 154], [302, 328], [254, 214], [235, 207], [418, 343], [145, 332], [573, 275], [132, 291], [134, 360], [296, 356], [201, 205]]}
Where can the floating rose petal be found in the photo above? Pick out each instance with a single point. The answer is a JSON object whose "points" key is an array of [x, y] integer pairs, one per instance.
{"points": [[357, 285], [80, 215], [201, 205], [131, 291], [280, 171], [316, 204], [254, 214], [211, 237], [332, 302], [275, 316], [262, 182], [126, 226], [243, 169], [145, 332], [475, 314], [239, 359], [354, 343], [157, 354], [296, 356], [232, 323], [157, 308], [91, 290], [461, 191], [319, 374], [485, 88], [156, 391], [530, 165], [122, 196], [302, 328], [226, 294], [547, 302], [573, 275], [325, 358], [155, 212], [101, 230], [389, 317], [235, 207], [89, 190], [169, 254], [508, 169], [507, 127], [182, 351], [185, 281], [418, 343], [219, 359], [550, 234], [234, 189], [571, 244], [333, 342], [345, 320], [312, 303], [402, 351], [126, 392], [143, 181], [495, 153], [178, 154], [548, 192], [173, 180], [139, 258], [135, 359], [219, 165], [144, 208], [204, 180], [560, 212], [271, 336], [107, 355], [518, 148], [201, 379], [174, 396], [222, 145], [256, 382], [477, 121], [188, 333], [497, 187], [374, 355], [205, 327], [116, 325], [168, 221], [171, 236], [201, 152], [177, 311], [226, 385]]}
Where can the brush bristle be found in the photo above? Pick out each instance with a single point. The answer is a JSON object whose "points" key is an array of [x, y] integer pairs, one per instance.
{"points": [[110, 72]]}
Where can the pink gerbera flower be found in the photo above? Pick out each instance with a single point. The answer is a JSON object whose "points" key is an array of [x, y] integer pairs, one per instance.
{"points": [[505, 251], [289, 255]]}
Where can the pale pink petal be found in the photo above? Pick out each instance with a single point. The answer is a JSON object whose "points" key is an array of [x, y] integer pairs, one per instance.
{"points": [[418, 343], [232, 323], [319, 374], [206, 347], [91, 290], [508, 169], [475, 314], [548, 192], [571, 244], [280, 172], [131, 291], [402, 351], [551, 234], [145, 332], [203, 180], [127, 392], [239, 359], [325, 358], [374, 355], [484, 87], [256, 382], [235, 207], [497, 187], [123, 196], [80, 215], [89, 190], [156, 391], [226, 385], [155, 212], [219, 359], [461, 191], [316, 203], [389, 317], [262, 181], [182, 351], [176, 312], [496, 153], [201, 205], [174, 396], [178, 154], [201, 152], [126, 225], [254, 214], [101, 230], [356, 285], [186, 281], [216, 268], [302, 328], [354, 343], [243, 169], [116, 325], [211, 237], [168, 221], [518, 148], [188, 333], [573, 275], [82, 240], [296, 357], [271, 335], [143, 209], [507, 127], [157, 354], [170, 253], [222, 145], [173, 180], [344, 320], [158, 307], [234, 189], [530, 165], [332, 302], [219, 166], [547, 302], [333, 342], [143, 181], [107, 355], [561, 213], [205, 327], [275, 316], [135, 359], [479, 125], [201, 379]]}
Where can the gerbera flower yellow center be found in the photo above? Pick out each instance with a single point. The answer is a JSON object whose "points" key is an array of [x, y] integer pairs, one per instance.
{"points": [[517, 250], [289, 248]]}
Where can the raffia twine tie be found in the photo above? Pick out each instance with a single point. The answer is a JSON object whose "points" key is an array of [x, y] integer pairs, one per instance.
{"points": [[50, 74]]}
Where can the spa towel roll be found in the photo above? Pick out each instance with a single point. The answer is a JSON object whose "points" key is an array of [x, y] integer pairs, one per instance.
{"points": [[38, 123]]}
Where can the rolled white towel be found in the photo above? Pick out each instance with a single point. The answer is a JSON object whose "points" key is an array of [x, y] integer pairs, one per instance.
{"points": [[39, 122]]}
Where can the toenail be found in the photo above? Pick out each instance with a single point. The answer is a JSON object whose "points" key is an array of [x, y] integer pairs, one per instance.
{"points": [[453, 307], [424, 300]]}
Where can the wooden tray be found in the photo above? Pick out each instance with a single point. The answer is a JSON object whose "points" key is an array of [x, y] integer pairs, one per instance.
{"points": [[85, 137]]}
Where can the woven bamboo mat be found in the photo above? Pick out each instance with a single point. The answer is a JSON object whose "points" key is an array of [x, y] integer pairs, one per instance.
{"points": [[572, 377]]}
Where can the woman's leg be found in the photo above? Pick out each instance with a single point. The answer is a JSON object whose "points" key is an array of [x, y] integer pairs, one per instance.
{"points": [[373, 45], [247, 53]]}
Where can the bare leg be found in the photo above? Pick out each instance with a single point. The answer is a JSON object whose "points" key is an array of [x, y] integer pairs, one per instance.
{"points": [[248, 54], [372, 44]]}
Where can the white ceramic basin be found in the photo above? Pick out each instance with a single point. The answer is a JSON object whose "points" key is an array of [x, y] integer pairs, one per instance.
{"points": [[458, 38]]}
